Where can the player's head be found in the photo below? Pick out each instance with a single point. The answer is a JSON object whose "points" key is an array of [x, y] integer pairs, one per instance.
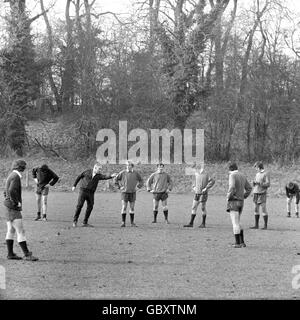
{"points": [[290, 185], [129, 165], [160, 167], [19, 165], [199, 167], [232, 166], [258, 165], [44, 167], [97, 168]]}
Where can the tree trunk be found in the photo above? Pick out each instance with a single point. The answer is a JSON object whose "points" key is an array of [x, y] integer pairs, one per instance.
{"points": [[53, 87], [67, 87]]}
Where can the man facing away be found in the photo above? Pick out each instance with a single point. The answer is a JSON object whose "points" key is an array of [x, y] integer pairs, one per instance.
{"points": [[43, 177], [13, 209], [128, 181], [160, 183], [261, 184], [238, 190], [89, 180], [202, 183], [292, 192]]}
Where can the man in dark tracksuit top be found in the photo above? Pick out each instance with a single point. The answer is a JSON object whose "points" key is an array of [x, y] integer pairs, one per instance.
{"points": [[292, 190], [238, 190], [88, 184], [44, 177], [13, 209]]}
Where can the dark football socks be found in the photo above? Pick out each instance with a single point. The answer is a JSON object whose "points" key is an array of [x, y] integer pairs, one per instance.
{"points": [[155, 212], [131, 218], [242, 237], [265, 222], [203, 219], [166, 214], [193, 216], [237, 239], [24, 248], [256, 221], [10, 246]]}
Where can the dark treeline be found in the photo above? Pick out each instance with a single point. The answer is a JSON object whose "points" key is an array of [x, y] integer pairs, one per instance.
{"points": [[227, 66]]}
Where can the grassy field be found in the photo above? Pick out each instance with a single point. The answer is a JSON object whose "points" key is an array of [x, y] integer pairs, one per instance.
{"points": [[152, 261]]}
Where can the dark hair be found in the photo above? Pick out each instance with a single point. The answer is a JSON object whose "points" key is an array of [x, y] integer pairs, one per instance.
{"points": [[259, 165], [233, 166], [129, 163], [160, 165], [44, 167], [290, 185], [19, 165]]}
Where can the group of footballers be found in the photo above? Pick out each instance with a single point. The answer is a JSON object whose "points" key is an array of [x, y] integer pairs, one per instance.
{"points": [[129, 181]]}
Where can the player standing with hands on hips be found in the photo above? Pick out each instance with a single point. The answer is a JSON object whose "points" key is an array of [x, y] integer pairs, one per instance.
{"points": [[43, 177], [203, 182], [160, 183], [261, 184], [238, 190], [128, 181], [13, 209]]}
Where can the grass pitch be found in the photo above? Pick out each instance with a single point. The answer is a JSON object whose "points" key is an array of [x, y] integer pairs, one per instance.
{"points": [[152, 261]]}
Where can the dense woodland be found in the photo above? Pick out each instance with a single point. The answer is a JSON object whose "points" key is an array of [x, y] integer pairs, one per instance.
{"points": [[230, 67]]}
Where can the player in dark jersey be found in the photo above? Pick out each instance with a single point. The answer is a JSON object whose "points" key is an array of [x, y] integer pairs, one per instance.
{"points": [[89, 180], [43, 177], [292, 192]]}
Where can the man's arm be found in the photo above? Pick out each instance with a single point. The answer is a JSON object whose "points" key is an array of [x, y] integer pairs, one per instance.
{"points": [[211, 182], [117, 179], [231, 188], [34, 175], [34, 172], [54, 179], [287, 192], [149, 182], [12, 190], [170, 182], [104, 177], [140, 180], [297, 194], [267, 182], [78, 179], [248, 189]]}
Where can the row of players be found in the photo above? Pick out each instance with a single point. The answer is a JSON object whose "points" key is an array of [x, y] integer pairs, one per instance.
{"points": [[128, 181]]}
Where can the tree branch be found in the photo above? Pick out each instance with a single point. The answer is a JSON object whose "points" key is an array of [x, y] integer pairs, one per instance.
{"points": [[109, 12], [49, 150]]}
